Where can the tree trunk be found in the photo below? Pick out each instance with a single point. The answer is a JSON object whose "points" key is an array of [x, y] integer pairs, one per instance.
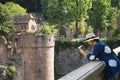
{"points": [[76, 27]]}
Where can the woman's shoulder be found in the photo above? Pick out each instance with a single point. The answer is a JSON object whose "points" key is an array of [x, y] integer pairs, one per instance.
{"points": [[100, 43]]}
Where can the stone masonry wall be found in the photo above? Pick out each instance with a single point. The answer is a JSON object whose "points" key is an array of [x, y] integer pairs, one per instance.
{"points": [[67, 60], [37, 56], [3, 50]]}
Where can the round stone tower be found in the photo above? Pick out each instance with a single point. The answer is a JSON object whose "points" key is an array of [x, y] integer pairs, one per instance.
{"points": [[37, 56]]}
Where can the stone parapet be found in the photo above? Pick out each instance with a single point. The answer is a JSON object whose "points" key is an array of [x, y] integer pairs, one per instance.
{"points": [[90, 71]]}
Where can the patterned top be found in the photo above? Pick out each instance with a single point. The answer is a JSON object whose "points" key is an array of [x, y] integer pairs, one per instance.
{"points": [[104, 53]]}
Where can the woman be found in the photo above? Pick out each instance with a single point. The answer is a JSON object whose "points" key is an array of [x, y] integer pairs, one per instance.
{"points": [[102, 51]]}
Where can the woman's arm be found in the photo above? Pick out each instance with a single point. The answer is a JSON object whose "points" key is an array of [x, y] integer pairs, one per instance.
{"points": [[82, 50]]}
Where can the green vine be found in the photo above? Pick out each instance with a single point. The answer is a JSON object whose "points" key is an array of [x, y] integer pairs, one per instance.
{"points": [[64, 43]]}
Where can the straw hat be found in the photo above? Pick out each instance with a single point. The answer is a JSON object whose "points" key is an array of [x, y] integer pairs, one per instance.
{"points": [[90, 37]]}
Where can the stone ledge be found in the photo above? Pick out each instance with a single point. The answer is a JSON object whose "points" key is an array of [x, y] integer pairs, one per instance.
{"points": [[86, 72]]}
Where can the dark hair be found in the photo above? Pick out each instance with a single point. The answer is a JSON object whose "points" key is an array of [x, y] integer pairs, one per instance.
{"points": [[97, 40]]}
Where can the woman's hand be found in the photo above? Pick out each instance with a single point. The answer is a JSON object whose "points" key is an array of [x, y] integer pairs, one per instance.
{"points": [[82, 50]]}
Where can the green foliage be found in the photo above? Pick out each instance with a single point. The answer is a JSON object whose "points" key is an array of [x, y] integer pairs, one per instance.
{"points": [[114, 12], [82, 27], [30, 31], [116, 32], [77, 9], [114, 21], [64, 43], [89, 29], [30, 5], [115, 3], [77, 12], [53, 11], [7, 11], [112, 42], [62, 31], [11, 70], [98, 14], [62, 12], [15, 9], [58, 76], [6, 21], [48, 29]]}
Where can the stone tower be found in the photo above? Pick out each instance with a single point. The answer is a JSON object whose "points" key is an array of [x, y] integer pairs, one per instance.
{"points": [[37, 56]]}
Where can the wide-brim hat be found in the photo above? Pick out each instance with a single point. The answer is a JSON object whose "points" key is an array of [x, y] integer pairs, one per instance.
{"points": [[90, 37]]}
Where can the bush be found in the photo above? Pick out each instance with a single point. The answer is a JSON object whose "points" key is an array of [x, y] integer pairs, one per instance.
{"points": [[47, 29]]}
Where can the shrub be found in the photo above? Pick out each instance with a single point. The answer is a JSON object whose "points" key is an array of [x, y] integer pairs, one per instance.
{"points": [[48, 29]]}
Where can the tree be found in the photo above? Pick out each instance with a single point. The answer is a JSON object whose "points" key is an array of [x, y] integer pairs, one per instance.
{"points": [[7, 11], [81, 29], [55, 14], [30, 5], [98, 15], [6, 21], [65, 11], [54, 11], [77, 10], [115, 3], [112, 17], [15, 9], [115, 22]]}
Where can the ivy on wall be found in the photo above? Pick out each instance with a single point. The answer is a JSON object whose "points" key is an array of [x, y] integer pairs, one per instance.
{"points": [[63, 43], [112, 42]]}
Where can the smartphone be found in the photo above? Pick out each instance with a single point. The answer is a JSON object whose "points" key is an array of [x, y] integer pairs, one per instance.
{"points": [[80, 46]]}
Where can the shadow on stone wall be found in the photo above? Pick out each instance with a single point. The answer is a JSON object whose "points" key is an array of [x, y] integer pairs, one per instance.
{"points": [[68, 60]]}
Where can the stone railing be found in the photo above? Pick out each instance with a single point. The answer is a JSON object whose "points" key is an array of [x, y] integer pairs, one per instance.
{"points": [[90, 71]]}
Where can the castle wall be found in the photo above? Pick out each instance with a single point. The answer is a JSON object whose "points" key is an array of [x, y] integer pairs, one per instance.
{"points": [[37, 56]]}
